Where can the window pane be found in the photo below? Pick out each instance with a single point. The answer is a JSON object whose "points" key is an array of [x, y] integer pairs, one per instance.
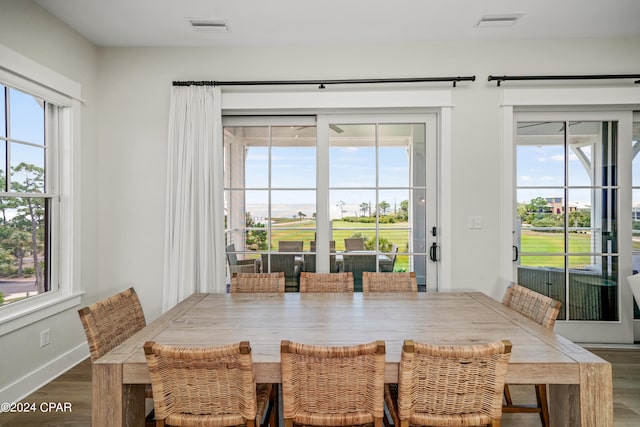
{"points": [[23, 248], [541, 220], [3, 112], [27, 168], [293, 157], [3, 164], [26, 117], [593, 291], [582, 237], [580, 164], [540, 154], [352, 156], [256, 170], [396, 143], [545, 275]]}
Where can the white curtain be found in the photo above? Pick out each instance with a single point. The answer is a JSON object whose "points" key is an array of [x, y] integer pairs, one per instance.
{"points": [[194, 230]]}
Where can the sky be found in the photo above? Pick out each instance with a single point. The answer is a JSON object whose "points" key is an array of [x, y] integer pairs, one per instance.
{"points": [[26, 124], [294, 168]]}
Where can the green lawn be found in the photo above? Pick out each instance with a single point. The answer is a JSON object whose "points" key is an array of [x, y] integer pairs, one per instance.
{"points": [[554, 243], [305, 230], [398, 233]]}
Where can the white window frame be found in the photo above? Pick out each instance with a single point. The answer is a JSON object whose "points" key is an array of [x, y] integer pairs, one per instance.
{"points": [[599, 99], [22, 73]]}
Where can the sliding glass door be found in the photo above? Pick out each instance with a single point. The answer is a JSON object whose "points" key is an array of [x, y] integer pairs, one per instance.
{"points": [[572, 173], [297, 190]]}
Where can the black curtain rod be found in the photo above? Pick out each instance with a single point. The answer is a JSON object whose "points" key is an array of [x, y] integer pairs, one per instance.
{"points": [[322, 83], [501, 79]]}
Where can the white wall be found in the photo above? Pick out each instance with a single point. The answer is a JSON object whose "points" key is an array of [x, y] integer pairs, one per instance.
{"points": [[28, 30], [125, 127], [134, 93]]}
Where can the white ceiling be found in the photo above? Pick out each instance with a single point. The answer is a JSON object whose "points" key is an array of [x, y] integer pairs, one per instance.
{"points": [[331, 22]]}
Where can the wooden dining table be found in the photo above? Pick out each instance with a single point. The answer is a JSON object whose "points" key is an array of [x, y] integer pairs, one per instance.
{"points": [[580, 383]]}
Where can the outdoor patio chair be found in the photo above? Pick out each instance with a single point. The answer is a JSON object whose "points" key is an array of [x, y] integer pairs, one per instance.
{"points": [[290, 245], [290, 264], [357, 264], [354, 244], [389, 282], [207, 386], [239, 265], [257, 282], [543, 310], [310, 259], [449, 385], [326, 282], [333, 386], [388, 265]]}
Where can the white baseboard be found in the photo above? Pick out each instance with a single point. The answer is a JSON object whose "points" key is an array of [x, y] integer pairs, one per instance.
{"points": [[44, 374]]}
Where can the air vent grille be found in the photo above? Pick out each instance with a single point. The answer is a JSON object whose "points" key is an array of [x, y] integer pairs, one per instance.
{"points": [[214, 25], [506, 20]]}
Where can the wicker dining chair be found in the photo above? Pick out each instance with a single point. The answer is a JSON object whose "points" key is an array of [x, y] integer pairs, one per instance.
{"points": [[332, 386], [326, 282], [449, 385], [207, 386], [110, 322], [257, 282], [543, 310], [389, 282]]}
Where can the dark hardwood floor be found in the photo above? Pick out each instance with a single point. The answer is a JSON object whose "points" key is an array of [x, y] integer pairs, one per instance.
{"points": [[74, 389]]}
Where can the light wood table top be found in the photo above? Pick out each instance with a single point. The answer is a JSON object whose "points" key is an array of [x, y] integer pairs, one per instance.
{"points": [[580, 383]]}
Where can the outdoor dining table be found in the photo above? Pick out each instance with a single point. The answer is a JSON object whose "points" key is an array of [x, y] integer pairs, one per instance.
{"points": [[580, 383]]}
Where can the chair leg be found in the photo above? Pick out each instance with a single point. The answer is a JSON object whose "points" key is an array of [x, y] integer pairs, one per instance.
{"points": [[507, 395], [496, 423], [541, 396]]}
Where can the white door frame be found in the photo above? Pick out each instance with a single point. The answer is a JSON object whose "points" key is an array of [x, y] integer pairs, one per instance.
{"points": [[618, 102], [438, 101]]}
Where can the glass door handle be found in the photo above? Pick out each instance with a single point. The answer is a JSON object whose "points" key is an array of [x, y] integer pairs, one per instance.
{"points": [[516, 254]]}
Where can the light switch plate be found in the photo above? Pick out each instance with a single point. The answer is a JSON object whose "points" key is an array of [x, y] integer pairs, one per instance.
{"points": [[475, 222]]}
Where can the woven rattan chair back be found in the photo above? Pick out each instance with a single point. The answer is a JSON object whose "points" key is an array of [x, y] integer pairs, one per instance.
{"points": [[533, 305], [333, 386], [326, 282], [389, 282], [449, 385], [257, 282], [205, 386], [110, 322], [543, 310]]}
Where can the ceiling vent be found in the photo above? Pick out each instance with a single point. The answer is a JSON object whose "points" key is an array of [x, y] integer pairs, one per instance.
{"points": [[505, 20], [210, 25]]}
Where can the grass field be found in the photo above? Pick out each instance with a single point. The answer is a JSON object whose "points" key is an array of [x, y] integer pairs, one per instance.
{"points": [[304, 230], [554, 243], [398, 233]]}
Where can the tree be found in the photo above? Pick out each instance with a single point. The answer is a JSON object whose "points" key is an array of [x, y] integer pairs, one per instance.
{"points": [[364, 207], [403, 212], [302, 215], [30, 216], [383, 206], [342, 211]]}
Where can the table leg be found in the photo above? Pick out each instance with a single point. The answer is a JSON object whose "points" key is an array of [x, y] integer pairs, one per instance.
{"points": [[589, 404], [564, 405], [115, 404], [596, 394]]}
